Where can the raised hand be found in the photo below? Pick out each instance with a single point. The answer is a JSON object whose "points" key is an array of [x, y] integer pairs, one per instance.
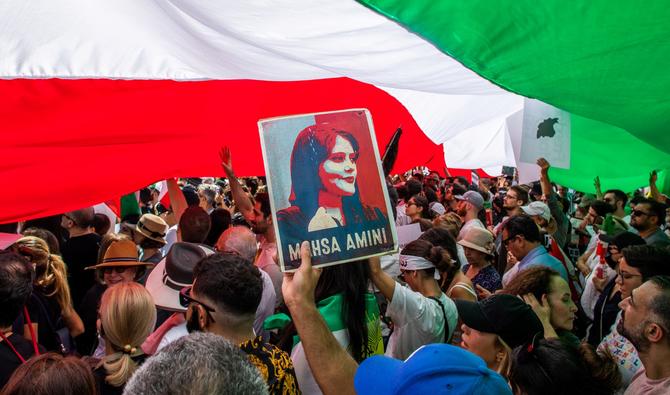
{"points": [[544, 164], [226, 160]]}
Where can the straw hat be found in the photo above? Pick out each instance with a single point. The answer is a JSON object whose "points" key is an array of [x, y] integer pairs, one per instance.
{"points": [[120, 253], [478, 239], [152, 227]]}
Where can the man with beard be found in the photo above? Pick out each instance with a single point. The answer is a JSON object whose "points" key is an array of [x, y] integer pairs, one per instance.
{"points": [[469, 206], [259, 216], [617, 199], [647, 218], [227, 290], [515, 197], [645, 322]]}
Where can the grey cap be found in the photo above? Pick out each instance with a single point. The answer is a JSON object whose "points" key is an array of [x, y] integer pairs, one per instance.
{"points": [[472, 197]]}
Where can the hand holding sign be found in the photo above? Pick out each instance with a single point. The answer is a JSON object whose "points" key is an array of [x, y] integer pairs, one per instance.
{"points": [[298, 287]]}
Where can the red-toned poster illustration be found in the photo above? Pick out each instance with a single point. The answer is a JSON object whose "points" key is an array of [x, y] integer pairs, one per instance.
{"points": [[326, 187]]}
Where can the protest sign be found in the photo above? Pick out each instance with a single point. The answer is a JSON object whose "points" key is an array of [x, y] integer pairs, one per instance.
{"points": [[326, 187], [545, 134], [407, 234]]}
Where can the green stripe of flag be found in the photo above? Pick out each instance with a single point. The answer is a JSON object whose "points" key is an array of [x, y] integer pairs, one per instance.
{"points": [[602, 60]]}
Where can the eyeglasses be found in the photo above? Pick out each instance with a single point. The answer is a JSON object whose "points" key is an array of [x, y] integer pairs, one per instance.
{"points": [[638, 213], [116, 269], [70, 218], [510, 197], [185, 300], [624, 276], [411, 204], [506, 241]]}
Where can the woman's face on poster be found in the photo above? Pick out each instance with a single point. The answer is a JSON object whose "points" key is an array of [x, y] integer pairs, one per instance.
{"points": [[338, 171]]}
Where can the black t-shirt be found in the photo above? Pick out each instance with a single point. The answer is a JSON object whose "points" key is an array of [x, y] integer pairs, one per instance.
{"points": [[105, 388], [9, 361], [46, 313], [88, 312], [80, 252]]}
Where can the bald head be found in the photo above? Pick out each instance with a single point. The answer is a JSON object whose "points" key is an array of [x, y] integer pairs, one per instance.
{"points": [[240, 240]]}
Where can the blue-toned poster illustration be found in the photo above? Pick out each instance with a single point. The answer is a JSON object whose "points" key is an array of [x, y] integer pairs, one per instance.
{"points": [[326, 187]]}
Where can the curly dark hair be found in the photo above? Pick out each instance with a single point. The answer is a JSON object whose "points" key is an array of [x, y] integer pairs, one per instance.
{"points": [[535, 280], [231, 282]]}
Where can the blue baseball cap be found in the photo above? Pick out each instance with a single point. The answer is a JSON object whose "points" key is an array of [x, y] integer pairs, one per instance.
{"points": [[432, 369]]}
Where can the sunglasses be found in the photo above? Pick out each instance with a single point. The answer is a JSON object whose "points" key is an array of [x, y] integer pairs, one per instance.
{"points": [[638, 213], [116, 269], [185, 300]]}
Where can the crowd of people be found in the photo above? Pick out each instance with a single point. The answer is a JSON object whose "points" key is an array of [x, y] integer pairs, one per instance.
{"points": [[523, 289]]}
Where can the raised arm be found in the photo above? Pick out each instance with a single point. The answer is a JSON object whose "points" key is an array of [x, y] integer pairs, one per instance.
{"points": [[545, 183], [177, 199], [596, 185], [655, 193], [332, 366], [242, 201], [382, 281]]}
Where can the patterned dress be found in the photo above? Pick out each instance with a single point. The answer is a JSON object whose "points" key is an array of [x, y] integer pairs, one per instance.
{"points": [[487, 277], [274, 365]]}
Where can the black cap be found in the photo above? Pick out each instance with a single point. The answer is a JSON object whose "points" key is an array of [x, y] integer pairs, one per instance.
{"points": [[623, 239], [505, 315]]}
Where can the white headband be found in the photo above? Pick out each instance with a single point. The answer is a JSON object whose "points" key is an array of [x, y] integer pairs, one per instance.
{"points": [[411, 262]]}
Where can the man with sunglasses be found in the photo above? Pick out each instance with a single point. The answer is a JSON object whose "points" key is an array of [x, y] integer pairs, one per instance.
{"points": [[647, 218], [226, 292]]}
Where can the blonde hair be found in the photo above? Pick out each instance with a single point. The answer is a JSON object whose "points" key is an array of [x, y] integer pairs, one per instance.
{"points": [[504, 366], [50, 270], [127, 317]]}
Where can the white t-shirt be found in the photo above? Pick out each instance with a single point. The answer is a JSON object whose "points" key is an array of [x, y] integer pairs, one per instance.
{"points": [[473, 222], [417, 321], [401, 217], [267, 306], [461, 255], [267, 264], [173, 334]]}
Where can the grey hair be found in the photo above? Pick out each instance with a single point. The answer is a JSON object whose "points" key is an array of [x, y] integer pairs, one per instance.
{"points": [[240, 240], [209, 191], [197, 364]]}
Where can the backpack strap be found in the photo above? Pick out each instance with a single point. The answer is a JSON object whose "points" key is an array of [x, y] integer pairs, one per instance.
{"points": [[444, 314]]}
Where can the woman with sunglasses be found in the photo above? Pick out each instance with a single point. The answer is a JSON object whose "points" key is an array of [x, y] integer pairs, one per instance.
{"points": [[118, 263], [50, 306], [638, 264], [421, 313]]}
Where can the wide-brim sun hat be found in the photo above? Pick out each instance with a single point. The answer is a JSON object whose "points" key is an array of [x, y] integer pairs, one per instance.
{"points": [[173, 273], [120, 253], [478, 239]]}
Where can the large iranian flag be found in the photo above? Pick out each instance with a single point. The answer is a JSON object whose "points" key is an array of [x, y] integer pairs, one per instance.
{"points": [[99, 98]]}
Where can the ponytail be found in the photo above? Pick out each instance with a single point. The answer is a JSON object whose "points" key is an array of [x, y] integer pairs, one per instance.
{"points": [[57, 276]]}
